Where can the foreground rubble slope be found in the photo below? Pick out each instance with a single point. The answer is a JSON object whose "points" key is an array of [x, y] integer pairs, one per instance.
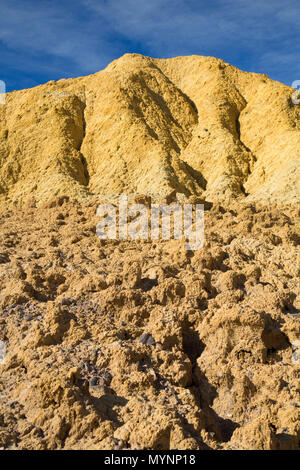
{"points": [[147, 345]]}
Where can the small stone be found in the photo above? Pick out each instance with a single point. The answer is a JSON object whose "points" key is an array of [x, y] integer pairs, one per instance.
{"points": [[147, 339], [107, 377], [93, 382], [296, 357], [66, 301], [143, 338], [4, 258]]}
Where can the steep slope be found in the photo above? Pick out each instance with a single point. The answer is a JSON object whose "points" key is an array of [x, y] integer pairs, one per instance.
{"points": [[138, 123], [192, 124], [248, 131]]}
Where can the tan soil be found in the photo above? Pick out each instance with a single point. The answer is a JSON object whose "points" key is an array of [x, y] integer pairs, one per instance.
{"points": [[144, 344], [222, 368]]}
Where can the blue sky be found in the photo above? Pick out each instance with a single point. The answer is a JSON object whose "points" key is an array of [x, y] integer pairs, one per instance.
{"points": [[41, 40]]}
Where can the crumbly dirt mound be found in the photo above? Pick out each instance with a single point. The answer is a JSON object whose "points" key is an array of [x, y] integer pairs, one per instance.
{"points": [[145, 345], [195, 124]]}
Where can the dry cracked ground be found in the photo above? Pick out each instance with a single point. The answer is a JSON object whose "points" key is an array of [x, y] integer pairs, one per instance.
{"points": [[147, 345]]}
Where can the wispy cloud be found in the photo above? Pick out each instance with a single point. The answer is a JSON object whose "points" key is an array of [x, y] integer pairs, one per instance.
{"points": [[52, 28], [43, 39]]}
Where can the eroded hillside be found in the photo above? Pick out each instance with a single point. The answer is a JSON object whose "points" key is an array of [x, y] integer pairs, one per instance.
{"points": [[131, 344], [192, 124]]}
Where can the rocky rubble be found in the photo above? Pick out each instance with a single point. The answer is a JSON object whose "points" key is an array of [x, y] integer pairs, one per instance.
{"points": [[144, 344]]}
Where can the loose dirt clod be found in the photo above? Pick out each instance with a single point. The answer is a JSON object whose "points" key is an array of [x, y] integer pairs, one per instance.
{"points": [[147, 339]]}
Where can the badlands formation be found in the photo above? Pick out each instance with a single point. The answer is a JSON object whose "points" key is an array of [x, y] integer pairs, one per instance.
{"points": [[119, 344]]}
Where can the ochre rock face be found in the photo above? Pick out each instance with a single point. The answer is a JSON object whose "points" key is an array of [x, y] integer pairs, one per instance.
{"points": [[144, 344], [194, 124]]}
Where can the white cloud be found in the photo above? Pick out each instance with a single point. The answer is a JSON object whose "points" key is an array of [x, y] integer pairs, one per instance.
{"points": [[54, 29], [79, 37]]}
